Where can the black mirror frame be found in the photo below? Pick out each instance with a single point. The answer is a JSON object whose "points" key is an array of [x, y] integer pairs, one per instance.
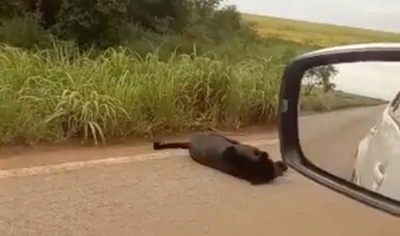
{"points": [[290, 146]]}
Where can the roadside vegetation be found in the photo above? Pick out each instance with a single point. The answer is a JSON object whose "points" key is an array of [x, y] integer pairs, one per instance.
{"points": [[117, 69]]}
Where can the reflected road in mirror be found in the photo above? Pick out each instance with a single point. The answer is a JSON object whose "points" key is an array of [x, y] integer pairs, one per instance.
{"points": [[359, 140], [331, 146]]}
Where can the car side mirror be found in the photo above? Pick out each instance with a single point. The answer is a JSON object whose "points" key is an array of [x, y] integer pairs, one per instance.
{"points": [[350, 159]]}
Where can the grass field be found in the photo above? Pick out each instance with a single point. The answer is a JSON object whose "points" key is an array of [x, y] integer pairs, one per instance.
{"points": [[319, 35], [309, 33], [46, 96], [57, 94]]}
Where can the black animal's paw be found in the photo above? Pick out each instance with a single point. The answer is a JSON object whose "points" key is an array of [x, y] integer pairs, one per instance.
{"points": [[282, 165], [280, 168]]}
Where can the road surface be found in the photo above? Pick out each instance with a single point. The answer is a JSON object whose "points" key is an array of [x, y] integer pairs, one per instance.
{"points": [[336, 136], [146, 195]]}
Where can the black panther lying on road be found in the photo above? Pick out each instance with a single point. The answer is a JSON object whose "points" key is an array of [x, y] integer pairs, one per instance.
{"points": [[231, 157]]}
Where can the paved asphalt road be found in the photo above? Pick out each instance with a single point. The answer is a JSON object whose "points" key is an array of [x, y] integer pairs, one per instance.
{"points": [[171, 195]]}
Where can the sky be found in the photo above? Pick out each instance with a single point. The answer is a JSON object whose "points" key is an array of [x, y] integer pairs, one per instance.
{"points": [[371, 14], [380, 80], [372, 79]]}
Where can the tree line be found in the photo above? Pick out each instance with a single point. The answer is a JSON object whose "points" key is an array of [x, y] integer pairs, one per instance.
{"points": [[105, 23]]}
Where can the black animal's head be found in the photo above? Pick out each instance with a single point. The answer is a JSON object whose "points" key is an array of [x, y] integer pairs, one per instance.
{"points": [[255, 165]]}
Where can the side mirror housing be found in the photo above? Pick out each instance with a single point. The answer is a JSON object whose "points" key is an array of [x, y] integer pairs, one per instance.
{"points": [[291, 150]]}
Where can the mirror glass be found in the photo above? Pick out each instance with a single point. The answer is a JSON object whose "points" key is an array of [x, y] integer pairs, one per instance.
{"points": [[349, 123]]}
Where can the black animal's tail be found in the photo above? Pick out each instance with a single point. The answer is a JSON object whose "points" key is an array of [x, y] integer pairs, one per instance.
{"points": [[160, 145]]}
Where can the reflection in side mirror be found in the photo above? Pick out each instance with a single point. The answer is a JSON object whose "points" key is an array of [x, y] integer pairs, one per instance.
{"points": [[353, 129]]}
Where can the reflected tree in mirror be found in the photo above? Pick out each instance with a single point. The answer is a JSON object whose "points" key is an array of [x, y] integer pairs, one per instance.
{"points": [[317, 82]]}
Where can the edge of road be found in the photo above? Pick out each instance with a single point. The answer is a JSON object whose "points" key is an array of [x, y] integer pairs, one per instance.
{"points": [[147, 156], [72, 160]]}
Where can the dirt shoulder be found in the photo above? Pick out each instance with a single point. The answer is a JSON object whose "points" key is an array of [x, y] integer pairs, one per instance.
{"points": [[23, 156]]}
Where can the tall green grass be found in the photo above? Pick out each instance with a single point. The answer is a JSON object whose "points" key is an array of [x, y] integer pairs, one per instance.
{"points": [[58, 94]]}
